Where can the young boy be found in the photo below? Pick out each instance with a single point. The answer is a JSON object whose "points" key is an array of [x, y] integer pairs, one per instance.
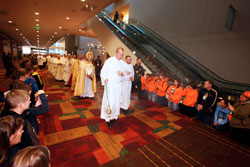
{"points": [[37, 77], [221, 121], [32, 83], [18, 101], [162, 87], [152, 88]]}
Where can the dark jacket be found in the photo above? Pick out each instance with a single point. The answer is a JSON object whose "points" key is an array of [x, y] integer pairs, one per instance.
{"points": [[207, 98], [241, 115], [26, 139], [39, 80], [34, 111], [139, 70]]}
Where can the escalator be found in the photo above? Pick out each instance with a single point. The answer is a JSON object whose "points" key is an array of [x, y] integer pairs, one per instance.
{"points": [[160, 56]]}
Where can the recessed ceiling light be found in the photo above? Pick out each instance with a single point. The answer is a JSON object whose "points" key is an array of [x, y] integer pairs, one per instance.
{"points": [[83, 0], [37, 20], [36, 13], [17, 29], [55, 32], [23, 37], [67, 18], [52, 36], [9, 21], [86, 5], [37, 31], [37, 24], [37, 35], [60, 27], [79, 30], [21, 34], [91, 8]]}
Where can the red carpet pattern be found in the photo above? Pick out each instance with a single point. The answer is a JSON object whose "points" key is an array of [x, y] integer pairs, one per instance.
{"points": [[76, 136]]}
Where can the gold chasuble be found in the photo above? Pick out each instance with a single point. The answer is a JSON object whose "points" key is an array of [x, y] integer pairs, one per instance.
{"points": [[74, 73]]}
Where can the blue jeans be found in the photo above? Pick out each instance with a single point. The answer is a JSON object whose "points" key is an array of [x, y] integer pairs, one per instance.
{"points": [[204, 116], [152, 96], [173, 106]]}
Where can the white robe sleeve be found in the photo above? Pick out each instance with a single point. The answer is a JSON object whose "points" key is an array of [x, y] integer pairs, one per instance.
{"points": [[104, 71]]}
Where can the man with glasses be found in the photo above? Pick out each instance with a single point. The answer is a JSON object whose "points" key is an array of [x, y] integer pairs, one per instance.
{"points": [[240, 121], [127, 84]]}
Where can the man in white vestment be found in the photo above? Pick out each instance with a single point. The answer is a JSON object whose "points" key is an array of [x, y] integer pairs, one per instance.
{"points": [[40, 61], [67, 69], [53, 65], [64, 60], [111, 77], [127, 84], [58, 68], [48, 61]]}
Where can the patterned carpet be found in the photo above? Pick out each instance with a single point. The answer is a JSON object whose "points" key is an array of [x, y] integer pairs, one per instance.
{"points": [[76, 136]]}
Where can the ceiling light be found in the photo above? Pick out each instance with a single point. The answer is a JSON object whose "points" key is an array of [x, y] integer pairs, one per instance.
{"points": [[79, 30], [91, 8], [37, 24], [37, 20], [52, 36], [55, 32], [9, 21], [87, 5], [60, 27], [37, 31], [21, 34], [67, 18], [36, 13], [23, 37], [17, 29], [37, 35], [83, 0]]}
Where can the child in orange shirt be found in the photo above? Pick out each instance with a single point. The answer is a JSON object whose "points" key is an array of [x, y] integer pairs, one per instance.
{"points": [[175, 95], [162, 90], [152, 89], [144, 81], [191, 95]]}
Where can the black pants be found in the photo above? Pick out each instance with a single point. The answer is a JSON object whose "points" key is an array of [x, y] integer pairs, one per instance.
{"points": [[136, 83], [204, 116], [190, 111], [241, 135], [162, 100]]}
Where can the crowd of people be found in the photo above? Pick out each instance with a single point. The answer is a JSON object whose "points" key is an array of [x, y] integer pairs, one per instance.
{"points": [[19, 126], [198, 103], [26, 99]]}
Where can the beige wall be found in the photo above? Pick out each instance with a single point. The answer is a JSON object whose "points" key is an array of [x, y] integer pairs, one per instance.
{"points": [[197, 28], [109, 40]]}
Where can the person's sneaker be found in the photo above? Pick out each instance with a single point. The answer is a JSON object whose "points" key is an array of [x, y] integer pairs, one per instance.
{"points": [[109, 124], [125, 112], [112, 122]]}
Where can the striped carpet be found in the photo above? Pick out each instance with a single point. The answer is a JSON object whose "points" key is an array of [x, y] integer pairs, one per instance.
{"points": [[194, 145]]}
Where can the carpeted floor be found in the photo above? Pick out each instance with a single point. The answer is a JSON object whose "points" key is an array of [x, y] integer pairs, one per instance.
{"points": [[150, 136]]}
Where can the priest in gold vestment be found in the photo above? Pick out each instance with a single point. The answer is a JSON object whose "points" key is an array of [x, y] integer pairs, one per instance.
{"points": [[85, 84]]}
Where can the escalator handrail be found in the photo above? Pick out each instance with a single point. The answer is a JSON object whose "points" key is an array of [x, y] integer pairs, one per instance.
{"points": [[130, 39], [192, 60]]}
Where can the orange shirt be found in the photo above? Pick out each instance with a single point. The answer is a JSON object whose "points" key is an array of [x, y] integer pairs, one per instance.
{"points": [[175, 94], [191, 96], [152, 85], [143, 83], [147, 83], [162, 87]]}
